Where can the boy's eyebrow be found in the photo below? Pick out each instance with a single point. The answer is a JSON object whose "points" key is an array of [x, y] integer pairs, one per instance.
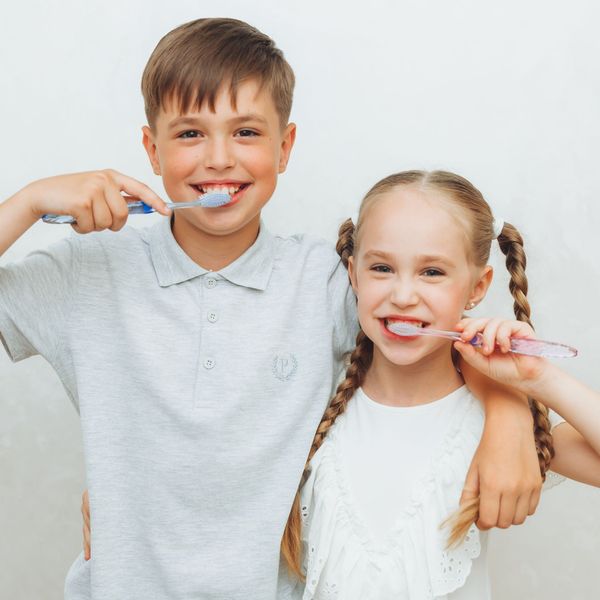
{"points": [[234, 121]]}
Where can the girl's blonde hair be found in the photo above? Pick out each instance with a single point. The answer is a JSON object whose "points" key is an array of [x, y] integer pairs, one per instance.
{"points": [[479, 221]]}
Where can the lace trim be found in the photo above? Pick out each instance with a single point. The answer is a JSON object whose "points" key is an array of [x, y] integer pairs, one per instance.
{"points": [[443, 570]]}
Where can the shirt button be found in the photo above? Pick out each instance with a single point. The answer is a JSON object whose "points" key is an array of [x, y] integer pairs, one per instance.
{"points": [[209, 363], [210, 283], [212, 316]]}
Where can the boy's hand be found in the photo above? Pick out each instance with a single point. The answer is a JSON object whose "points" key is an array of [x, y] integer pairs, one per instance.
{"points": [[494, 359], [505, 470], [87, 533], [94, 198]]}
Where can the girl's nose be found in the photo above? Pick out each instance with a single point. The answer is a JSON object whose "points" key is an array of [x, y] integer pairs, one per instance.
{"points": [[404, 293], [219, 155]]}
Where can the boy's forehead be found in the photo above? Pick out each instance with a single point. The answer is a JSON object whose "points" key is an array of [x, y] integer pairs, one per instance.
{"points": [[251, 100]]}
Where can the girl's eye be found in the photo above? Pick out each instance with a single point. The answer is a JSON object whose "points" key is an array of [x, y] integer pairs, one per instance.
{"points": [[247, 133], [433, 273], [189, 134], [381, 269]]}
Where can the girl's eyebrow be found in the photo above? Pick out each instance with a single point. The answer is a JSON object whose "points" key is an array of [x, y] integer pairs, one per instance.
{"points": [[423, 258], [436, 258]]}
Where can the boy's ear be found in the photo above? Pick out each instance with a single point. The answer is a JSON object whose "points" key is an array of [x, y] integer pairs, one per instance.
{"points": [[482, 285], [148, 141], [287, 143]]}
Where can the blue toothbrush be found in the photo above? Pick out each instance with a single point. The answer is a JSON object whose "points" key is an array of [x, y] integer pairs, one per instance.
{"points": [[210, 200], [525, 346]]}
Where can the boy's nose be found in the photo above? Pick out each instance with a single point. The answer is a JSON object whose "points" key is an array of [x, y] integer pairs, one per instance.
{"points": [[219, 155]]}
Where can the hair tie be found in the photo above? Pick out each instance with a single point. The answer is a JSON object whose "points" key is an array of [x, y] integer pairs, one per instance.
{"points": [[497, 227]]}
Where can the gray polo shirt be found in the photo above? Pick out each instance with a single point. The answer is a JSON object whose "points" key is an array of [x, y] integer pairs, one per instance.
{"points": [[199, 393]]}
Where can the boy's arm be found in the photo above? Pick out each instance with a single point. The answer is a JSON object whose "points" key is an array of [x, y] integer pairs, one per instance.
{"points": [[93, 198], [505, 470]]}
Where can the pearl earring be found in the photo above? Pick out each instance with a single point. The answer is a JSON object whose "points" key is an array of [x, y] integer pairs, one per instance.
{"points": [[471, 305]]}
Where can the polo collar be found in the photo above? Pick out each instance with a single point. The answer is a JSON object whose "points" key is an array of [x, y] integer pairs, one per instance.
{"points": [[172, 265]]}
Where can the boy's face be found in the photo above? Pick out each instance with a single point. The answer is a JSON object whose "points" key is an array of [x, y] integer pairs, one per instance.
{"points": [[241, 150]]}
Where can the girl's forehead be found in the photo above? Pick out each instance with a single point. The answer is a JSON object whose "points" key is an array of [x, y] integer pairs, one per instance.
{"points": [[408, 220]]}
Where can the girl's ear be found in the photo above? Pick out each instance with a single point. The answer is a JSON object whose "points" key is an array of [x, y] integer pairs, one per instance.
{"points": [[352, 273], [481, 286], [149, 144]]}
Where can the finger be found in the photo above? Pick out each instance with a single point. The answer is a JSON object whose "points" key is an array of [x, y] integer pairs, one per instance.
{"points": [[508, 508], [102, 215], [136, 188], [489, 336], [473, 357], [117, 205], [84, 217], [534, 500], [505, 331], [521, 510], [471, 487], [474, 327], [87, 547], [489, 508]]}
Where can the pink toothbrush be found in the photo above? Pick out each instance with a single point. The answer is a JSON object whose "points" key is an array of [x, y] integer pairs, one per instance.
{"points": [[517, 345]]}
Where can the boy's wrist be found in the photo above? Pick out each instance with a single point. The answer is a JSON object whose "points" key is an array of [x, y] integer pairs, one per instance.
{"points": [[24, 202], [505, 404]]}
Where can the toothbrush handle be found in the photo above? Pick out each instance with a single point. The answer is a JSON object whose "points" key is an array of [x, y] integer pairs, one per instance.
{"points": [[530, 347], [134, 208]]}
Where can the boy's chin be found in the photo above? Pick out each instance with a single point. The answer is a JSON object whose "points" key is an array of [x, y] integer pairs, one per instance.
{"points": [[222, 224]]}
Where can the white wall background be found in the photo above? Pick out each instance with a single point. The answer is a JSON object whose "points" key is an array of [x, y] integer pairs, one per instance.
{"points": [[505, 93]]}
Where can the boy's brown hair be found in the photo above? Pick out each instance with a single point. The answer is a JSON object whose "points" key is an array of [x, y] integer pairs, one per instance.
{"points": [[191, 63]]}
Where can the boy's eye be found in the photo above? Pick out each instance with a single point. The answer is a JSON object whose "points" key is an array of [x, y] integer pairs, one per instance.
{"points": [[190, 133], [246, 133]]}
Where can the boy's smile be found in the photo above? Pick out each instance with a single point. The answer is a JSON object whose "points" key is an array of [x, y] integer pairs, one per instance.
{"points": [[240, 151]]}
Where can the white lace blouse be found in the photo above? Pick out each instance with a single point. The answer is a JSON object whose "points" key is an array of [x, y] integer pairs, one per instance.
{"points": [[380, 486]]}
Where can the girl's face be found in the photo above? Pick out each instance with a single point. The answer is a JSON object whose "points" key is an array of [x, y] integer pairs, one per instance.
{"points": [[413, 265]]}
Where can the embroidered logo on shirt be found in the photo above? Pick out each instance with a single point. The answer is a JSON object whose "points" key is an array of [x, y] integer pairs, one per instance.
{"points": [[284, 366]]}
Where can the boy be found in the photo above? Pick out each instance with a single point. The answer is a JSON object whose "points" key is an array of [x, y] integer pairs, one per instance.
{"points": [[201, 352]]}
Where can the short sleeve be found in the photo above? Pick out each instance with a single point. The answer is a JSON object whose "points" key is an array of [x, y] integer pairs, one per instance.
{"points": [[552, 478], [343, 305], [35, 298], [555, 419]]}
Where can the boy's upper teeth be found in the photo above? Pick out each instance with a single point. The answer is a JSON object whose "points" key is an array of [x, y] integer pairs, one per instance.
{"points": [[220, 189]]}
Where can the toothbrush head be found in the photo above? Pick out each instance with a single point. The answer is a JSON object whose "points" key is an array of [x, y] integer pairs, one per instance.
{"points": [[214, 200], [403, 328]]}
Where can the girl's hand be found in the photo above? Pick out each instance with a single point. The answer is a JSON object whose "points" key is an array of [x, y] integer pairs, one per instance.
{"points": [[494, 358]]}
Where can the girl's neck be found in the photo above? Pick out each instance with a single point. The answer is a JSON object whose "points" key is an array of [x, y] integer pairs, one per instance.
{"points": [[430, 379]]}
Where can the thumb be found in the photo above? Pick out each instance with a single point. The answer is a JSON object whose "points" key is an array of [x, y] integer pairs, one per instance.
{"points": [[471, 487], [474, 358]]}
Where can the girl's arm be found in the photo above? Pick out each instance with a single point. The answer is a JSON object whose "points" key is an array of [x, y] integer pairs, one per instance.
{"points": [[576, 442]]}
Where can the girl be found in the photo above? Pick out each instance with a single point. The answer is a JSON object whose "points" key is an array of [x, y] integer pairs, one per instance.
{"points": [[382, 477]]}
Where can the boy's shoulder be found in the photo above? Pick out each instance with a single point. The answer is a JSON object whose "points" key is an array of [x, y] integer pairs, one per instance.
{"points": [[306, 245]]}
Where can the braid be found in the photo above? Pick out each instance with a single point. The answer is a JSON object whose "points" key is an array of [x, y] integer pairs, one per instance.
{"points": [[360, 360], [511, 244], [345, 243]]}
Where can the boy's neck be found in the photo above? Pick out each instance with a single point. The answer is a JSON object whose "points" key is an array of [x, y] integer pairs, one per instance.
{"points": [[214, 252], [428, 380]]}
